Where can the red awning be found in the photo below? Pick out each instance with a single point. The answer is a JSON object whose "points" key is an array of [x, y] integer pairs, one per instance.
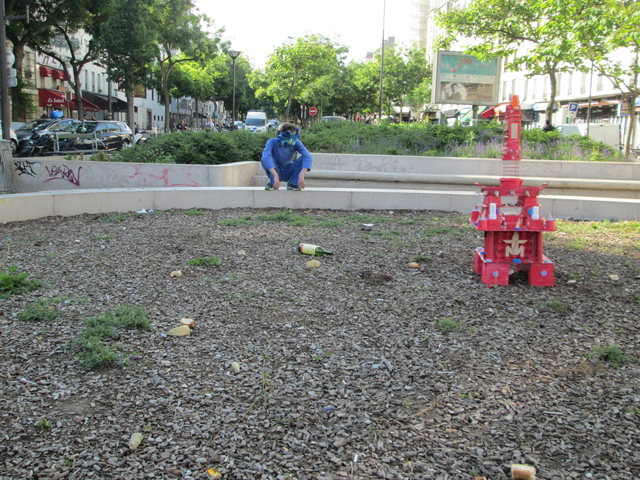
{"points": [[488, 113], [45, 71], [52, 98], [87, 106], [58, 74]]}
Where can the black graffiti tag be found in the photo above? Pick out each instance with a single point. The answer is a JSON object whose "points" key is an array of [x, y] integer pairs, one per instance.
{"points": [[25, 167], [63, 172]]}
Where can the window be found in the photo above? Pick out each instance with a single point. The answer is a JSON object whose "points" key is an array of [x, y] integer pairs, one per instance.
{"points": [[93, 81], [600, 83], [559, 84], [535, 85], [504, 90], [569, 84], [583, 83], [513, 87]]}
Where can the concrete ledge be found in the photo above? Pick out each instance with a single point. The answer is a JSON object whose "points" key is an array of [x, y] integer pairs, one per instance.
{"points": [[25, 206]]}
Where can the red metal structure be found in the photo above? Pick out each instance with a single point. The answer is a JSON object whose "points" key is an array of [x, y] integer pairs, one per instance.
{"points": [[509, 216]]}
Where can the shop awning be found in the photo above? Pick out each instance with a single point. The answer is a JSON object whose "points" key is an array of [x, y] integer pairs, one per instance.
{"points": [[87, 106], [58, 74], [45, 71], [489, 113], [102, 101], [52, 98]]}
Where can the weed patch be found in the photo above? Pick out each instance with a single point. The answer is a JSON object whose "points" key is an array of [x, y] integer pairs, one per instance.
{"points": [[204, 262], [40, 310], [12, 282], [612, 355]]}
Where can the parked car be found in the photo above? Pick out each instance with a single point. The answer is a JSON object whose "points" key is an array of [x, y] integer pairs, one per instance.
{"points": [[14, 139], [42, 126], [273, 124], [239, 125], [333, 118], [83, 136]]}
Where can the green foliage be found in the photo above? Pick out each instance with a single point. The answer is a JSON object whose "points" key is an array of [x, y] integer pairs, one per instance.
{"points": [[39, 310], [286, 217], [13, 283], [43, 423], [431, 231], [449, 325], [421, 258], [94, 354], [611, 354], [557, 306], [204, 262], [116, 217], [237, 222], [193, 211]]}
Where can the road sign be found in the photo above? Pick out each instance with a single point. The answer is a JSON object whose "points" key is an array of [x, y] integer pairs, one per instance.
{"points": [[313, 111], [12, 80], [573, 110]]}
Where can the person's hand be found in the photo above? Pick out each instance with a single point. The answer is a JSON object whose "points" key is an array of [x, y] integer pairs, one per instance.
{"points": [[276, 182], [301, 183]]}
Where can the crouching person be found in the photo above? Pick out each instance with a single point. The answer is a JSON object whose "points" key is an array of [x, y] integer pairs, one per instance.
{"points": [[278, 159]]}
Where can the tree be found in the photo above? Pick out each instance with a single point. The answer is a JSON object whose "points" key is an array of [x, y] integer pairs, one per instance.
{"points": [[405, 70], [43, 15], [128, 48], [87, 16], [535, 32], [294, 66], [602, 29], [179, 39]]}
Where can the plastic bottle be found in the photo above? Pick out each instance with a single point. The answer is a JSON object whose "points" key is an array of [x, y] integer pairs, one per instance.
{"points": [[315, 250]]}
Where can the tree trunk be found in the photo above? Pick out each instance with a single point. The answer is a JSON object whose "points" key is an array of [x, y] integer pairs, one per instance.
{"points": [[167, 109], [18, 113], [552, 99], [631, 128], [130, 110], [286, 115]]}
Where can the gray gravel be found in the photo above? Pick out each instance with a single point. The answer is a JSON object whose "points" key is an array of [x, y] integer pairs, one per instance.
{"points": [[347, 371]]}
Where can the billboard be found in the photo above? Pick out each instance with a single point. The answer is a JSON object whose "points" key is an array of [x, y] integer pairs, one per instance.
{"points": [[466, 80]]}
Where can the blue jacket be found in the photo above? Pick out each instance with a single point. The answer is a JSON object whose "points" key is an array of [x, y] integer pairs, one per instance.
{"points": [[276, 155]]}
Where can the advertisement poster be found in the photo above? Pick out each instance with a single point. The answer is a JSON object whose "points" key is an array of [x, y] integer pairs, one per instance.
{"points": [[466, 80]]}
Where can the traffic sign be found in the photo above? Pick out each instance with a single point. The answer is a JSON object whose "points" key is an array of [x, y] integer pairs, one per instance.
{"points": [[313, 111], [573, 110]]}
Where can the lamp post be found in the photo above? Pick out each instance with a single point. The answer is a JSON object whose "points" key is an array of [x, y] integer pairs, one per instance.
{"points": [[384, 5], [234, 54]]}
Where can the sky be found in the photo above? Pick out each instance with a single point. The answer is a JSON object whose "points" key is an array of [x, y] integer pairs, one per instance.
{"points": [[257, 27]]}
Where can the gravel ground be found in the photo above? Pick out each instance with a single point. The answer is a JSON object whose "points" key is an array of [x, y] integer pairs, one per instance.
{"points": [[361, 368]]}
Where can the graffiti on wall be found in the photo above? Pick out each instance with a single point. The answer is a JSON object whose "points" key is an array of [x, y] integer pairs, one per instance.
{"points": [[169, 178], [25, 167], [63, 172]]}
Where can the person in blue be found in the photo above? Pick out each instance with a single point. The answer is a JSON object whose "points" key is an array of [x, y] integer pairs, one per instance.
{"points": [[278, 159]]}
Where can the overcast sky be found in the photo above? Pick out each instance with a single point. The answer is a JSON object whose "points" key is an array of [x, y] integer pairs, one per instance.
{"points": [[257, 27]]}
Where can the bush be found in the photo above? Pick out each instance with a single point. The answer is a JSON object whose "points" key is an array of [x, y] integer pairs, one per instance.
{"points": [[483, 140]]}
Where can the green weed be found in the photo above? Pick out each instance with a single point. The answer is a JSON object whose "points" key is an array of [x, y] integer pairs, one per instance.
{"points": [[39, 310], [94, 354], [204, 262], [286, 217], [193, 211], [556, 306], [449, 325], [42, 423], [332, 223], [237, 222], [13, 282], [611, 354], [431, 231], [231, 278], [421, 258]]}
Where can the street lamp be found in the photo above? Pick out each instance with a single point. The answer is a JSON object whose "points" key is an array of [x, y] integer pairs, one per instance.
{"points": [[234, 54]]}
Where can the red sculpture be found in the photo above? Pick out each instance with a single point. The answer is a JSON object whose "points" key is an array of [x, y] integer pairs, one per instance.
{"points": [[509, 216]]}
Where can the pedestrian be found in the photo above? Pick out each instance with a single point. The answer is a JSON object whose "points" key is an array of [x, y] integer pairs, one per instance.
{"points": [[548, 127], [44, 115], [278, 159], [85, 118], [93, 118]]}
